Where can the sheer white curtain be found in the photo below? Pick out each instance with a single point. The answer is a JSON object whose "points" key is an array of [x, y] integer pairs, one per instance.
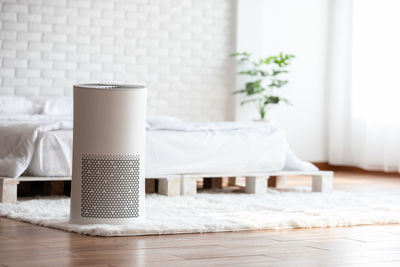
{"points": [[364, 85]]}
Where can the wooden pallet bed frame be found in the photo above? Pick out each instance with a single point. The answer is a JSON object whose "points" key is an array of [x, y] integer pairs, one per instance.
{"points": [[257, 183], [168, 185], [186, 184]]}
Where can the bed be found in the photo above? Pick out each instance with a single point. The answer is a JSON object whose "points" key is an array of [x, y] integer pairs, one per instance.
{"points": [[39, 145]]}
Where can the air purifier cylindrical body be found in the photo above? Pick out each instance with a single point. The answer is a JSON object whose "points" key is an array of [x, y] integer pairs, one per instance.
{"points": [[108, 184]]}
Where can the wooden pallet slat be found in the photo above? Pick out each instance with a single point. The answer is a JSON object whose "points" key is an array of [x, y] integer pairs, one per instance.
{"points": [[186, 184], [169, 185], [257, 182]]}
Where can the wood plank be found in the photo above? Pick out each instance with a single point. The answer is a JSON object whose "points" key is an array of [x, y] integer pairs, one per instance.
{"points": [[169, 187], [23, 244], [256, 184], [150, 185], [236, 174], [277, 181], [205, 175], [8, 190], [36, 178], [68, 178]]}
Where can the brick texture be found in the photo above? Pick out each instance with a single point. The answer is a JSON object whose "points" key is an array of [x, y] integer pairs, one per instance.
{"points": [[178, 48]]}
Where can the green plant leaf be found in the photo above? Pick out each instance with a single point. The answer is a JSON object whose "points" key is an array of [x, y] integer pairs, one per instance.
{"points": [[277, 72], [254, 72], [241, 91], [248, 101], [253, 88], [276, 83], [267, 72], [245, 54]]}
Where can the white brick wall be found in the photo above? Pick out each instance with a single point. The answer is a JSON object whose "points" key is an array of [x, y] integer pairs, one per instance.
{"points": [[179, 48]]}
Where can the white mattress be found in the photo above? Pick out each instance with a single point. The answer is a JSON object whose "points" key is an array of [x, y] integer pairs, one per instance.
{"points": [[41, 145], [172, 152]]}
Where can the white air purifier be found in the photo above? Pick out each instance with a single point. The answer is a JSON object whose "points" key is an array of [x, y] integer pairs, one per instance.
{"points": [[108, 185]]}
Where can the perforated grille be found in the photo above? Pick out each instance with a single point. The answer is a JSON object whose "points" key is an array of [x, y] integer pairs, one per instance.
{"points": [[110, 186]]}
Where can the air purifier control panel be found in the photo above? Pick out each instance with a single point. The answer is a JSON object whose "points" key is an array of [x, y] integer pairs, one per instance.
{"points": [[105, 86]]}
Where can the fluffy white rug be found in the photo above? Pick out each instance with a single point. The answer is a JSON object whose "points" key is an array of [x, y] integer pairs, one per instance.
{"points": [[216, 212]]}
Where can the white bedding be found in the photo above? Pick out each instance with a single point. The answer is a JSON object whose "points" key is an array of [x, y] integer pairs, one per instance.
{"points": [[52, 155], [41, 145], [18, 143]]}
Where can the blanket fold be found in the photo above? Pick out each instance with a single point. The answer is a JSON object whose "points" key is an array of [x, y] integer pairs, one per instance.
{"points": [[17, 144]]}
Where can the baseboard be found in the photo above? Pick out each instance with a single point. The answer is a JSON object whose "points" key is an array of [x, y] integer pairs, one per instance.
{"points": [[325, 166]]}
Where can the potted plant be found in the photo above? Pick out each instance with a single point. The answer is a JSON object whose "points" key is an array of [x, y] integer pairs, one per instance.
{"points": [[266, 78]]}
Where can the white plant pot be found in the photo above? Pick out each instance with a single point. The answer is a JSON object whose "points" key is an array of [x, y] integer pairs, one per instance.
{"points": [[266, 120]]}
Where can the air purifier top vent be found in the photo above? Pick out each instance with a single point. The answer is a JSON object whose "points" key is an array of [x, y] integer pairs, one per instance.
{"points": [[105, 86]]}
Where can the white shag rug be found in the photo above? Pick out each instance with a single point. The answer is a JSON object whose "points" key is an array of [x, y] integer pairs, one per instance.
{"points": [[217, 212]]}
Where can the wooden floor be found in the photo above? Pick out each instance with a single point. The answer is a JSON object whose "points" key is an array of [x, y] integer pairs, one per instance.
{"points": [[22, 244]]}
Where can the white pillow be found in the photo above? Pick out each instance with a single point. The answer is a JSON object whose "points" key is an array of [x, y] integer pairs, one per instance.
{"points": [[156, 119], [18, 105], [58, 106]]}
